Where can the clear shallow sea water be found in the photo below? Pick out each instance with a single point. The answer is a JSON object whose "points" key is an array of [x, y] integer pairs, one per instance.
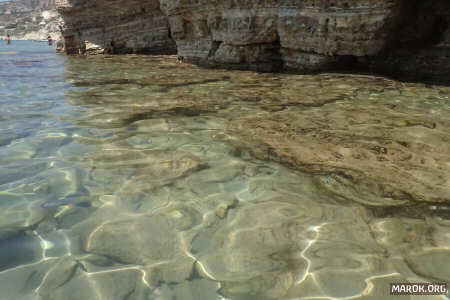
{"points": [[115, 183]]}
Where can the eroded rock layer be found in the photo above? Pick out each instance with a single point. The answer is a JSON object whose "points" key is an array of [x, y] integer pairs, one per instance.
{"points": [[115, 27], [306, 35], [394, 36]]}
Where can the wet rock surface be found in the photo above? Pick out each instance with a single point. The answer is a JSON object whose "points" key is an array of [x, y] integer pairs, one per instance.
{"points": [[147, 247], [356, 138]]}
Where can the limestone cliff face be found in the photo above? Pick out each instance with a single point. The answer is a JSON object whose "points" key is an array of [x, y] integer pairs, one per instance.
{"points": [[115, 27], [300, 35]]}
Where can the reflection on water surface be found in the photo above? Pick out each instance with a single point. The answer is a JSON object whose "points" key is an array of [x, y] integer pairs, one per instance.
{"points": [[141, 178]]}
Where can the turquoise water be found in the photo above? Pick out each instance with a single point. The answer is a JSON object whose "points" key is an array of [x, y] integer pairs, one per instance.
{"points": [[118, 180]]}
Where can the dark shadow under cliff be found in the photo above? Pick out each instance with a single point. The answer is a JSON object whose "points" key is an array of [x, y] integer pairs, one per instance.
{"points": [[420, 45]]}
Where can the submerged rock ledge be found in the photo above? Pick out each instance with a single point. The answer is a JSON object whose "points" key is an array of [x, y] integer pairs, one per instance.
{"points": [[376, 154], [399, 37]]}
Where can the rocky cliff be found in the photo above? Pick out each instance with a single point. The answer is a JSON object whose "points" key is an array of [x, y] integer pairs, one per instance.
{"points": [[29, 19], [115, 27], [409, 37]]}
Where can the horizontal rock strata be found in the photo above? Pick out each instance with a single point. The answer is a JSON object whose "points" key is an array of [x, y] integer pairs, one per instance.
{"points": [[115, 27], [394, 36]]}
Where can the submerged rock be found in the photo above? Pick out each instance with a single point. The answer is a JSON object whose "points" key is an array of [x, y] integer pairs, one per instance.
{"points": [[21, 282], [422, 247], [19, 250], [18, 214], [67, 280], [376, 154], [434, 264], [156, 237]]}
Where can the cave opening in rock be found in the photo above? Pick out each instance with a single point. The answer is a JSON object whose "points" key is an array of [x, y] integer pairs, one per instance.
{"points": [[421, 24]]}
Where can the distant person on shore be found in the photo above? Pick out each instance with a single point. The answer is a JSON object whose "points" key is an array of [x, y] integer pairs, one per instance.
{"points": [[49, 40], [8, 39]]}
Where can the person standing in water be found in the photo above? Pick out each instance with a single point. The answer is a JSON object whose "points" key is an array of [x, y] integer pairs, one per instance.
{"points": [[8, 39], [49, 40]]}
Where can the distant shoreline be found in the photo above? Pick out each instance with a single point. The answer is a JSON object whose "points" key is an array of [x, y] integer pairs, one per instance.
{"points": [[28, 40]]}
